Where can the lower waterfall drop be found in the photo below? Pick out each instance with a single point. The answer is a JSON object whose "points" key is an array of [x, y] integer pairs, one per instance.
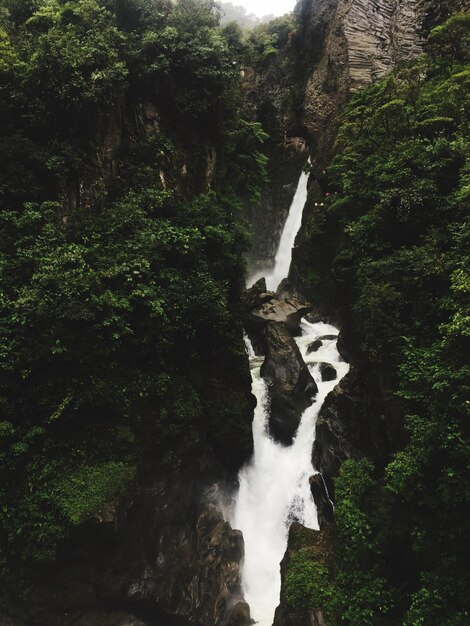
{"points": [[274, 487]]}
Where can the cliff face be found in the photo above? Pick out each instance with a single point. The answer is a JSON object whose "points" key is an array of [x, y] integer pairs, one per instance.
{"points": [[351, 43], [337, 47], [266, 89], [166, 556], [356, 42]]}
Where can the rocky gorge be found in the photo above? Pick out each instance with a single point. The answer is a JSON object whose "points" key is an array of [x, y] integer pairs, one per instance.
{"points": [[167, 551], [345, 46]]}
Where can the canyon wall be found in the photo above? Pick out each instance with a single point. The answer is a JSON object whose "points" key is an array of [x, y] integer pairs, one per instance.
{"points": [[354, 42], [335, 49]]}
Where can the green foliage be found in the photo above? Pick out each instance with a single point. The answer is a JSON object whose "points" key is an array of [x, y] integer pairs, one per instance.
{"points": [[266, 40], [77, 41], [83, 493], [121, 259], [306, 583], [362, 594], [393, 239], [188, 63], [451, 41]]}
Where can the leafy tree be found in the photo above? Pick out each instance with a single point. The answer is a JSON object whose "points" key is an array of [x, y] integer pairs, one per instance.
{"points": [[393, 239], [121, 259]]}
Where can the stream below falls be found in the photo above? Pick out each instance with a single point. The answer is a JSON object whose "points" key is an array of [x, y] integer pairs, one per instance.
{"points": [[274, 487]]}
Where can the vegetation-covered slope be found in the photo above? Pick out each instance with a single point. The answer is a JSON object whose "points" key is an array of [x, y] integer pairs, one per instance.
{"points": [[391, 248], [121, 262], [124, 157]]}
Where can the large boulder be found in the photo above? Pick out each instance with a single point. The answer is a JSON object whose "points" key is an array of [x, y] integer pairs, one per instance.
{"points": [[289, 311], [292, 388], [314, 346], [328, 372], [257, 295], [238, 615]]}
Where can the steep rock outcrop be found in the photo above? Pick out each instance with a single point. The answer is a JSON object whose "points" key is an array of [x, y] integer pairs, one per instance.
{"points": [[354, 42], [267, 217], [288, 311], [322, 500], [170, 558], [266, 89], [262, 306], [292, 387], [272, 321], [360, 417]]}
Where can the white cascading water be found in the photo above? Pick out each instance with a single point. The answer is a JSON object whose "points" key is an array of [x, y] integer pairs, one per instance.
{"points": [[274, 486], [289, 233]]}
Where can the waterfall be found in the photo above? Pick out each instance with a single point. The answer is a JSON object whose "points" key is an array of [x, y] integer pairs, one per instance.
{"points": [[291, 228], [274, 487]]}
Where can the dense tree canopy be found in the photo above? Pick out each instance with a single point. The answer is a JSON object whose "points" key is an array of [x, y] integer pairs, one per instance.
{"points": [[121, 253], [124, 157], [393, 242]]}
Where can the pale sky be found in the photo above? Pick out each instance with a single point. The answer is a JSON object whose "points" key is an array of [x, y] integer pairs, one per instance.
{"points": [[266, 7]]}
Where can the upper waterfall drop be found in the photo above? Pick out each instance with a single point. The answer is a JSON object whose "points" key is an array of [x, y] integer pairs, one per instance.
{"points": [[291, 228], [274, 487]]}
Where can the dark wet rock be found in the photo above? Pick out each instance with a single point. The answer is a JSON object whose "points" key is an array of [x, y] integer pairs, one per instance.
{"points": [[221, 550], [345, 351], [284, 169], [257, 295], [170, 559], [292, 388], [360, 417], [333, 442], [102, 617], [328, 372], [317, 315], [323, 503], [5, 620], [328, 338], [193, 575], [289, 311], [314, 346], [238, 615], [286, 289]]}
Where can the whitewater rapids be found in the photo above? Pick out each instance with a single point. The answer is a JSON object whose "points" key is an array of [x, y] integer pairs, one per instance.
{"points": [[274, 488]]}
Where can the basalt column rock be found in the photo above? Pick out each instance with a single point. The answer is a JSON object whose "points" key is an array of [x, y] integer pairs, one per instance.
{"points": [[346, 44], [292, 388]]}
